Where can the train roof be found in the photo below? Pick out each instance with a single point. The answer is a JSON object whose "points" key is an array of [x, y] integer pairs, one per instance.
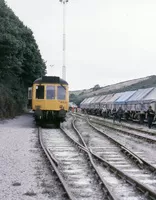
{"points": [[151, 97], [95, 99], [114, 97], [108, 96], [83, 101], [100, 98], [124, 97], [139, 95], [88, 100], [50, 79]]}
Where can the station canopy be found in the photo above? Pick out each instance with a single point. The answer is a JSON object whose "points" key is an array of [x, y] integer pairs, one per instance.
{"points": [[151, 97], [124, 97], [139, 95]]}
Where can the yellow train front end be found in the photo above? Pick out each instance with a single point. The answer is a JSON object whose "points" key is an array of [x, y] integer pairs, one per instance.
{"points": [[50, 99]]}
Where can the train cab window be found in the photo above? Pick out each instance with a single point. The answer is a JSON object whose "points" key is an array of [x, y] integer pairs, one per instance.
{"points": [[50, 92], [61, 93], [40, 92]]}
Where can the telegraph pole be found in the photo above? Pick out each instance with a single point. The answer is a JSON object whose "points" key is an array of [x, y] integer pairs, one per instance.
{"points": [[64, 2]]}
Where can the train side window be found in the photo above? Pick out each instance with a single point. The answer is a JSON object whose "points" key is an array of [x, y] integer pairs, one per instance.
{"points": [[61, 93], [50, 92], [40, 92]]}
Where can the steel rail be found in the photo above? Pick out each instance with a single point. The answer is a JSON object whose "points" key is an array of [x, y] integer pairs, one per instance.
{"points": [[150, 166], [125, 131], [124, 125], [124, 148], [146, 190], [54, 164], [108, 125], [103, 184]]}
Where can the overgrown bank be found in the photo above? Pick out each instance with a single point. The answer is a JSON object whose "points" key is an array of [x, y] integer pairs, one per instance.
{"points": [[20, 62]]}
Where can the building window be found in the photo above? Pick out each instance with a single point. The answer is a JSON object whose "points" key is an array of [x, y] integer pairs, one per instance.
{"points": [[61, 93], [50, 92], [40, 92]]}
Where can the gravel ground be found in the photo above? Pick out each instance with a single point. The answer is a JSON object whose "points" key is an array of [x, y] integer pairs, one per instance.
{"points": [[25, 173]]}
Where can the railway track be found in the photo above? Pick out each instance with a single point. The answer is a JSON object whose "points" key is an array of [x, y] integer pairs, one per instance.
{"points": [[74, 165], [54, 164], [148, 135], [110, 156], [143, 148]]}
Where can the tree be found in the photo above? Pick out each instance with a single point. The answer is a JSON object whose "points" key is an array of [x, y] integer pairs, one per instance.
{"points": [[96, 87], [20, 60]]}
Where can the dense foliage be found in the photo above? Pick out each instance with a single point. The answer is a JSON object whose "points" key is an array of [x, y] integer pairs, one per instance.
{"points": [[20, 62]]}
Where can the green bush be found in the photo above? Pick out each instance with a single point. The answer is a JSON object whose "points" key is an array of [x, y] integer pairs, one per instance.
{"points": [[20, 62]]}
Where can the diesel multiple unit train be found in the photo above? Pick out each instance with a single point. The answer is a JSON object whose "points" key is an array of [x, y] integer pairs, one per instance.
{"points": [[49, 98], [134, 103]]}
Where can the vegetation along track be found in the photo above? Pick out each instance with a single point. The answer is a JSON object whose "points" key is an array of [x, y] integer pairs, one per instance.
{"points": [[74, 165], [143, 179]]}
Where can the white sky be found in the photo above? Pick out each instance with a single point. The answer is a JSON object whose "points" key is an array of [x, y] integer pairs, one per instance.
{"points": [[107, 41]]}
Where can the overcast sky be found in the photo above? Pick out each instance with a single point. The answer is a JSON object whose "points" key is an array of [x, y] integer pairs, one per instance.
{"points": [[107, 41]]}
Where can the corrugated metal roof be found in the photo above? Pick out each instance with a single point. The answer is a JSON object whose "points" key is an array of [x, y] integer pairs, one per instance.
{"points": [[139, 95], [115, 97], [151, 96], [125, 96]]}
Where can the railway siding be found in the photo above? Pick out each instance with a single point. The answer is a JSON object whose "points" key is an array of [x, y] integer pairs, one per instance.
{"points": [[123, 167]]}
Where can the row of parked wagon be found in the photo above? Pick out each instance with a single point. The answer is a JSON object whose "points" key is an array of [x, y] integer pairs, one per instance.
{"points": [[135, 103]]}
